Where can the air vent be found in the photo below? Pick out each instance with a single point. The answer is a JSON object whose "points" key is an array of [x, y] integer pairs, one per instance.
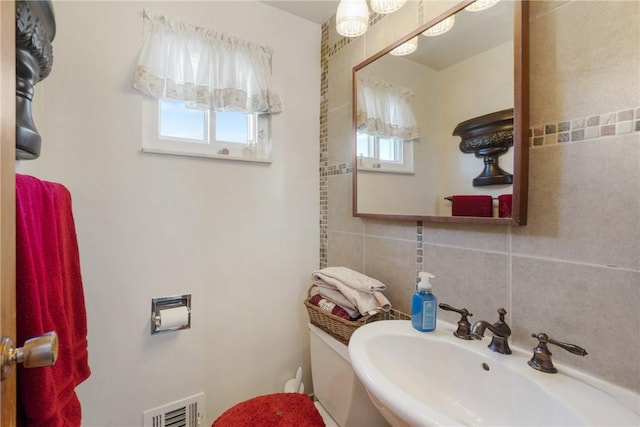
{"points": [[188, 412]]}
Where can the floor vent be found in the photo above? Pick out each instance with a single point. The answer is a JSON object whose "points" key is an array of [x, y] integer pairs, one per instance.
{"points": [[188, 412]]}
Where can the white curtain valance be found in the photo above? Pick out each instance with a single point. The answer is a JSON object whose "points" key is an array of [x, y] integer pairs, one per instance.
{"points": [[205, 68], [384, 109]]}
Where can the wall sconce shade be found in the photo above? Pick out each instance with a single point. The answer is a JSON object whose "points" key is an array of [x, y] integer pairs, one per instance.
{"points": [[352, 18], [479, 5], [441, 27], [386, 6], [406, 48]]}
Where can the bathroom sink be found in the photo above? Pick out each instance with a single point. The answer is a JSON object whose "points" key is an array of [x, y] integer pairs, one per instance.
{"points": [[434, 379]]}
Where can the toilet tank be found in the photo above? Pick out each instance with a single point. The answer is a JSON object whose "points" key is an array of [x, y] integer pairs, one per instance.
{"points": [[336, 386]]}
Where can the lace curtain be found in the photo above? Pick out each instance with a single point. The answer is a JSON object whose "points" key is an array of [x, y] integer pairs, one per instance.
{"points": [[206, 69], [384, 109]]}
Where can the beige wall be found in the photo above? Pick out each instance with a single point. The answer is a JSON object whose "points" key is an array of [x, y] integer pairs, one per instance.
{"points": [[574, 270], [240, 237], [415, 193], [464, 97]]}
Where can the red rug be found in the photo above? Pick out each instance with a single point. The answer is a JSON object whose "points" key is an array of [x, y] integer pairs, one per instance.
{"points": [[272, 410]]}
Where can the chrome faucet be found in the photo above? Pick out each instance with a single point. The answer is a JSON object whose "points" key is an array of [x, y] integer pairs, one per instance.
{"points": [[501, 333]]}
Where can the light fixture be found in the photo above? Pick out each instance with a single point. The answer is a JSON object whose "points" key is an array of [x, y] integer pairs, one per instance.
{"points": [[479, 5], [406, 48], [386, 6], [352, 18], [441, 27]]}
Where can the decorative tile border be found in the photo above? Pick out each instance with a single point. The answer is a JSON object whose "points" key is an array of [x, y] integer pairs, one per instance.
{"points": [[419, 249], [326, 170], [338, 169], [324, 141], [583, 128]]}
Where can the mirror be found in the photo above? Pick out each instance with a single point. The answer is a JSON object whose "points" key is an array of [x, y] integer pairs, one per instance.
{"points": [[472, 81]]}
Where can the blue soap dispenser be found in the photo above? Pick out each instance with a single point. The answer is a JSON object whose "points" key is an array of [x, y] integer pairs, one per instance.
{"points": [[424, 305]]}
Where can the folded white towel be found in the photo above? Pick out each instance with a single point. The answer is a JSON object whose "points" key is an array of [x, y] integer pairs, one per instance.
{"points": [[351, 290], [383, 302], [337, 276]]}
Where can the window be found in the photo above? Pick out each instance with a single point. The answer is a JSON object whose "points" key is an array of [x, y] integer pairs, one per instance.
{"points": [[176, 129], [178, 122], [219, 73], [384, 154]]}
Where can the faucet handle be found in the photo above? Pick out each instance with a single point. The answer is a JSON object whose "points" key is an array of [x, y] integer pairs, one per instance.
{"points": [[464, 327], [501, 323], [541, 359]]}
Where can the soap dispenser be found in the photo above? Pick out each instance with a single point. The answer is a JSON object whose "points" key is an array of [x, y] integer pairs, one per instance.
{"points": [[424, 305]]}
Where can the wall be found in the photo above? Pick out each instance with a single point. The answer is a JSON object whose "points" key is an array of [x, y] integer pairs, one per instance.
{"points": [[242, 238], [417, 192], [574, 270], [463, 97]]}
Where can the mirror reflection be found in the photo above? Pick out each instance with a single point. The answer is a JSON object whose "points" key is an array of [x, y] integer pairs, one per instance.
{"points": [[410, 100]]}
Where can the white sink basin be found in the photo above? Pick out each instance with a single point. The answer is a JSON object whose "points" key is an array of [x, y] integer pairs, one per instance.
{"points": [[435, 379]]}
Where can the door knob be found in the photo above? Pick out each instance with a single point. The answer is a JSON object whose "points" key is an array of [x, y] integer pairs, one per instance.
{"points": [[37, 352]]}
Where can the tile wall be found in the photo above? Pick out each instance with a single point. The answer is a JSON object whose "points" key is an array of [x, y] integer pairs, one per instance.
{"points": [[574, 270]]}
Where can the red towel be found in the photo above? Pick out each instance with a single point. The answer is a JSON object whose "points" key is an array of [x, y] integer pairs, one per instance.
{"points": [[472, 206], [49, 297], [330, 307], [504, 205], [272, 410]]}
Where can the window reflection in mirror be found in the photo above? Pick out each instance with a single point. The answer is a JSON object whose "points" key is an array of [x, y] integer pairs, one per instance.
{"points": [[384, 154]]}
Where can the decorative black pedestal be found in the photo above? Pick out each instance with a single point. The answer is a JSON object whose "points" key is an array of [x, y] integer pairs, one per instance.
{"points": [[35, 30], [489, 137]]}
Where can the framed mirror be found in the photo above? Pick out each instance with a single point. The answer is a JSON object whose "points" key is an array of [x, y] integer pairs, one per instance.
{"points": [[441, 132]]}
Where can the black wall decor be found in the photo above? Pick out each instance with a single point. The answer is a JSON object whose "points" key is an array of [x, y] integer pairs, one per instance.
{"points": [[35, 30], [489, 137]]}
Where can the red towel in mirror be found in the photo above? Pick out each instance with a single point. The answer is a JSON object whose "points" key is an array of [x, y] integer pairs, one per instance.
{"points": [[472, 205], [504, 205], [49, 297]]}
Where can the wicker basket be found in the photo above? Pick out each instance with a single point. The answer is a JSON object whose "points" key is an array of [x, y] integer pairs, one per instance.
{"points": [[342, 329]]}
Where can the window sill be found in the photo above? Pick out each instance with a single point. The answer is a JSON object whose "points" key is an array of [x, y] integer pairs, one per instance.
{"points": [[381, 170], [170, 152]]}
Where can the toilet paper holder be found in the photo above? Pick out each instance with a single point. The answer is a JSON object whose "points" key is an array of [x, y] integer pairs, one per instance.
{"points": [[177, 322]]}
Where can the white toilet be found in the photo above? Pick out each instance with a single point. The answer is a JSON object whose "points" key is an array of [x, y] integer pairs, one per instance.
{"points": [[342, 399]]}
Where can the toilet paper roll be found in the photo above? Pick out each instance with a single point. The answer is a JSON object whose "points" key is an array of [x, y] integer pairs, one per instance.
{"points": [[174, 317]]}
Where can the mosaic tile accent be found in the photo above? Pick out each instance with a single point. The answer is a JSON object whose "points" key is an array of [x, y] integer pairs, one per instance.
{"points": [[564, 137], [564, 126], [324, 142], [325, 169], [419, 249], [584, 128], [339, 169]]}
